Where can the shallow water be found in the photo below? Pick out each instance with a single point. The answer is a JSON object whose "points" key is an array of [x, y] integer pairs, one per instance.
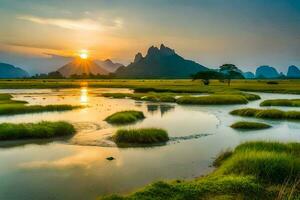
{"points": [[76, 168]]}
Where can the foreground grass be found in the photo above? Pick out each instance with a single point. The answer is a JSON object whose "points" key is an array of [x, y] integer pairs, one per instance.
{"points": [[141, 136], [281, 102], [12, 107], [125, 117], [254, 170], [174, 86], [267, 114], [45, 129], [250, 125]]}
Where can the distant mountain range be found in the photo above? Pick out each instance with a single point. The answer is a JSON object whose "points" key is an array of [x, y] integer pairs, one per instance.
{"points": [[81, 66], [108, 65], [10, 71], [160, 62]]}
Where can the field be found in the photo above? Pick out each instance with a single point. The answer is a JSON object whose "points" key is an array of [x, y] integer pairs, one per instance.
{"points": [[157, 85]]}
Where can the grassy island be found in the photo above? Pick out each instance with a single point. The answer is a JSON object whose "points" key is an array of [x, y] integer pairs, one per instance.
{"points": [[267, 114], [141, 136], [45, 129], [250, 125], [213, 100], [13, 107], [281, 102], [125, 117], [254, 170]]}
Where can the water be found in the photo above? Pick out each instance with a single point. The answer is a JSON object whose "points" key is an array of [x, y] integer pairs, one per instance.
{"points": [[77, 168]]}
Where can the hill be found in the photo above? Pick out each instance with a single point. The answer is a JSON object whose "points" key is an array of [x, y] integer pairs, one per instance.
{"points": [[81, 66], [160, 62], [10, 71], [108, 65]]}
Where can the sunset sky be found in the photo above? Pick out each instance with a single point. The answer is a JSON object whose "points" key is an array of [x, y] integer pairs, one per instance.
{"points": [[42, 35]]}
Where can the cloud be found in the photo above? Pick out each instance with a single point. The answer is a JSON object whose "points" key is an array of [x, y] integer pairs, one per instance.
{"points": [[85, 24], [81, 24]]}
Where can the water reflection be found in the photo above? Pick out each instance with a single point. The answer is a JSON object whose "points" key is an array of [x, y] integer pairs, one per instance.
{"points": [[84, 95], [163, 108]]}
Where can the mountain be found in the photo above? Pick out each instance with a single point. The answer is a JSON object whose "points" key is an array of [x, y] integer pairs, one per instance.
{"points": [[108, 65], [81, 66], [266, 72], [293, 72], [249, 75], [160, 62], [10, 71]]}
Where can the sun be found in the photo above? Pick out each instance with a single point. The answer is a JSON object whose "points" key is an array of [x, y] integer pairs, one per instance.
{"points": [[83, 54]]}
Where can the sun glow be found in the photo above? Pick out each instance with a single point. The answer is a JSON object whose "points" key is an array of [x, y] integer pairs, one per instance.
{"points": [[83, 54]]}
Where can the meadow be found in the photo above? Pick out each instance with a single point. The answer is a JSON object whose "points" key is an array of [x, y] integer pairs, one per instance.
{"points": [[158, 85]]}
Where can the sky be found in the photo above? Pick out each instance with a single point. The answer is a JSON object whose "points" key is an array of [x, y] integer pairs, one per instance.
{"points": [[40, 36]]}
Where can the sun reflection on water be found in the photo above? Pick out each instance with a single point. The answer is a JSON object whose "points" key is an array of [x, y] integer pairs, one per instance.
{"points": [[84, 95]]}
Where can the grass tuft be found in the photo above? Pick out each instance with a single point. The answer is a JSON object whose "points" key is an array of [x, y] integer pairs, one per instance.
{"points": [[250, 125], [213, 100], [141, 136], [45, 129], [281, 102], [125, 117], [267, 114]]}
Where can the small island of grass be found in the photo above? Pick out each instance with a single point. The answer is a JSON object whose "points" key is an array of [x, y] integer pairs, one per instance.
{"points": [[125, 117], [13, 107], [281, 102], [250, 125], [267, 114], [213, 100], [45, 129], [141, 136]]}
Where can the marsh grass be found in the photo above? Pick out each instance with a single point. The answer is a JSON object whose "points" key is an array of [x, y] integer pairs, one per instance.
{"points": [[281, 102], [153, 97], [254, 170], [141, 136], [125, 117], [267, 114], [12, 107], [19, 108], [213, 100], [244, 125], [45, 129]]}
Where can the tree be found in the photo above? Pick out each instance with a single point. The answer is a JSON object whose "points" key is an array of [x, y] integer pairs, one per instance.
{"points": [[230, 72], [205, 76]]}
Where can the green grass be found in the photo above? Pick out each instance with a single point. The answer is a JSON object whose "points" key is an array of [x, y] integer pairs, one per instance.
{"points": [[213, 100], [153, 97], [267, 114], [281, 102], [13, 107], [45, 129], [140, 136], [159, 85], [125, 117], [254, 170], [244, 125]]}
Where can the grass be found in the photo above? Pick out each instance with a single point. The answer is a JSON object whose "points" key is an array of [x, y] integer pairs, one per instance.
{"points": [[267, 114], [213, 100], [141, 136], [153, 97], [250, 125], [13, 107], [125, 117], [157, 85], [254, 170], [45, 129], [281, 102]]}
